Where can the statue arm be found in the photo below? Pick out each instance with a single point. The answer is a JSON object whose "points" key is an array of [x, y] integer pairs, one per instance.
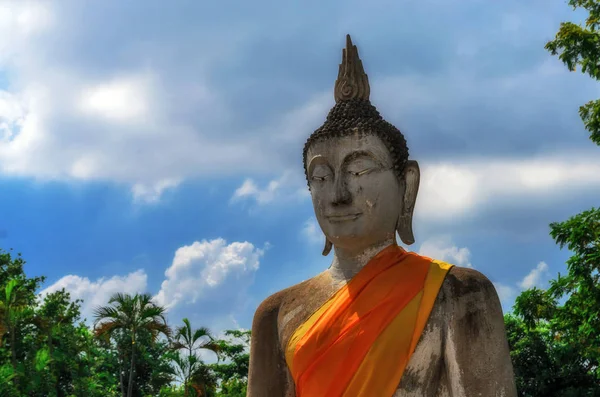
{"points": [[477, 355], [267, 372]]}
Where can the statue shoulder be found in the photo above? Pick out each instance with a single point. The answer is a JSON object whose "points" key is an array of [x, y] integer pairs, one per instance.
{"points": [[464, 284], [270, 307], [476, 349], [267, 373]]}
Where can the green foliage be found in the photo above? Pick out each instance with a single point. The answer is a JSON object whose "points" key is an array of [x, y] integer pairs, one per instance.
{"points": [[555, 347], [233, 388], [576, 46], [130, 319], [7, 388], [554, 334], [234, 351], [196, 377], [578, 320], [47, 351]]}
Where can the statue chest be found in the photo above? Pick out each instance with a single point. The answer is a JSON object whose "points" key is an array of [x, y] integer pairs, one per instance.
{"points": [[424, 375]]}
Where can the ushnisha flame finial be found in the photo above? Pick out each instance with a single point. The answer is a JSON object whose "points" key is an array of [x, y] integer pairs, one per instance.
{"points": [[352, 81]]}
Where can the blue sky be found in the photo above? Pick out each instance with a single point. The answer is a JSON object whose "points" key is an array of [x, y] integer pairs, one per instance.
{"points": [[154, 148]]}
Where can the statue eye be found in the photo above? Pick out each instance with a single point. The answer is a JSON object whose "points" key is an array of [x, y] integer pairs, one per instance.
{"points": [[321, 173], [362, 165], [360, 172], [320, 178]]}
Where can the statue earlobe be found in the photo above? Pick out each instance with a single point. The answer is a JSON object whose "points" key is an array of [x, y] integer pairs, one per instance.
{"points": [[412, 177], [327, 248]]}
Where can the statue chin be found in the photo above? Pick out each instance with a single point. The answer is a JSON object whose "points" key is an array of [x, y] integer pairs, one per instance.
{"points": [[346, 234], [360, 241]]}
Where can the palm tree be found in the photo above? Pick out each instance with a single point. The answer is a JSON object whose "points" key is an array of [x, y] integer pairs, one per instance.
{"points": [[193, 371], [131, 314]]}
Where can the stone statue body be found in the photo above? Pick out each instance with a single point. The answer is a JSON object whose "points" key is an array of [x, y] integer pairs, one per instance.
{"points": [[361, 200]]}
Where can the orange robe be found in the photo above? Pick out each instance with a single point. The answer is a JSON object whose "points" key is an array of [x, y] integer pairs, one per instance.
{"points": [[359, 342]]}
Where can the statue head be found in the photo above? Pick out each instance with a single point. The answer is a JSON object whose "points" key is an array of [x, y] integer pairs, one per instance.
{"points": [[363, 185]]}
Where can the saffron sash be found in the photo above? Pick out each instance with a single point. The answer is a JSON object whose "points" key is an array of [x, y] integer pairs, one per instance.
{"points": [[360, 341]]}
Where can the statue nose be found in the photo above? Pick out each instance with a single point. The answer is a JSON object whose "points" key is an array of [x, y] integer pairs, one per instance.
{"points": [[341, 195]]}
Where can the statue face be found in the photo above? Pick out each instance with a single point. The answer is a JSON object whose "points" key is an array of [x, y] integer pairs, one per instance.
{"points": [[356, 195]]}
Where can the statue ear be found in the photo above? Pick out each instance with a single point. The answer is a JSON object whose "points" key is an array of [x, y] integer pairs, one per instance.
{"points": [[412, 177], [327, 248]]}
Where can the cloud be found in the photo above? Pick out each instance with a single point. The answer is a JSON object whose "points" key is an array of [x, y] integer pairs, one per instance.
{"points": [[453, 189], [534, 278], [442, 248], [152, 194], [289, 186], [20, 21], [123, 99], [104, 100], [11, 115], [210, 271], [134, 123], [206, 282], [506, 294], [97, 293], [311, 231], [262, 196]]}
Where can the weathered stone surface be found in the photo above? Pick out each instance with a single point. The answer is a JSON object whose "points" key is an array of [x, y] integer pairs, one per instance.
{"points": [[364, 190]]}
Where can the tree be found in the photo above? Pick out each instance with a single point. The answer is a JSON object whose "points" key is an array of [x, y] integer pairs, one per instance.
{"points": [[55, 333], [554, 335], [97, 370], [545, 364], [194, 373], [12, 307], [555, 346], [233, 369], [131, 315], [576, 46], [578, 320], [17, 297], [46, 350]]}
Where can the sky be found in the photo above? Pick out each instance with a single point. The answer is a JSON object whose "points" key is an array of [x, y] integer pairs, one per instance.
{"points": [[154, 147]]}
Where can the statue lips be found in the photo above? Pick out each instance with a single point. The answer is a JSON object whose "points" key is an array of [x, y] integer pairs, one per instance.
{"points": [[343, 217]]}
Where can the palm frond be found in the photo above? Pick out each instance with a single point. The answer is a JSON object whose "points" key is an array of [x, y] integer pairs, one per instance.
{"points": [[202, 332], [119, 298], [106, 328]]}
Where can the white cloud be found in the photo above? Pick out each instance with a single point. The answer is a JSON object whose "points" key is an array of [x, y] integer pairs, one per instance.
{"points": [[206, 282], [152, 193], [450, 190], [135, 119], [534, 278], [209, 269], [11, 115], [506, 294], [442, 248], [312, 232], [22, 20], [123, 99], [289, 186], [97, 293], [298, 123], [262, 196], [133, 123]]}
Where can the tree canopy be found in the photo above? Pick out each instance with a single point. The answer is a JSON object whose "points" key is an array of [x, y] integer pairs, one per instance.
{"points": [[47, 350]]}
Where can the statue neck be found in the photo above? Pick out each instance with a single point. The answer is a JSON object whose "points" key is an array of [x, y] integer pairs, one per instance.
{"points": [[346, 264]]}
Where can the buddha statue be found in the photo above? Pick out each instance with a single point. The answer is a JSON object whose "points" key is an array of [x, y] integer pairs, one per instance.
{"points": [[380, 321]]}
